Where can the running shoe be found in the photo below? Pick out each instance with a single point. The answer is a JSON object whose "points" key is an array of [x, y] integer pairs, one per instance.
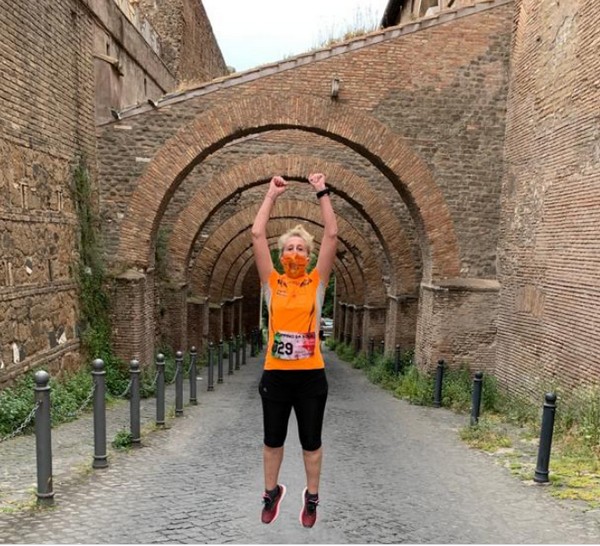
{"points": [[308, 515], [271, 503]]}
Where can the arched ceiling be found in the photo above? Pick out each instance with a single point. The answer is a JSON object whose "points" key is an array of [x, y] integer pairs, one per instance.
{"points": [[361, 266], [366, 204]]}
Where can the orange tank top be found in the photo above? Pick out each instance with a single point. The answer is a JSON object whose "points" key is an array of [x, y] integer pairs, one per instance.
{"points": [[294, 318]]}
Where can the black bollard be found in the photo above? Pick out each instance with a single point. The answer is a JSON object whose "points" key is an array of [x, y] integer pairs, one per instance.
{"points": [[211, 357], [439, 378], [43, 438], [371, 350], [237, 352], [160, 389], [243, 349], [99, 376], [220, 362], [134, 403], [193, 376], [382, 347], [543, 461], [476, 397], [230, 356], [178, 384], [397, 360]]}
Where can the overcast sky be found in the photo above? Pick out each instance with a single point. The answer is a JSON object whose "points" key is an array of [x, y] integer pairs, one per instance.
{"points": [[255, 32]]}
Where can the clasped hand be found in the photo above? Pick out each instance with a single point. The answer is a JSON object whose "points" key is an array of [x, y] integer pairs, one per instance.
{"points": [[278, 185]]}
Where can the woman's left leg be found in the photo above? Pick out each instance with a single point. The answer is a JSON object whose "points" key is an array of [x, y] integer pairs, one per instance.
{"points": [[309, 414]]}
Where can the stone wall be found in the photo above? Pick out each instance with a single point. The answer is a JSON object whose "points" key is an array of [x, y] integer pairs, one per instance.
{"points": [[188, 45], [65, 63], [46, 122]]}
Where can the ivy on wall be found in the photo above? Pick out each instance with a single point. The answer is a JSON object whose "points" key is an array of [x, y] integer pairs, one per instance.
{"points": [[90, 274]]}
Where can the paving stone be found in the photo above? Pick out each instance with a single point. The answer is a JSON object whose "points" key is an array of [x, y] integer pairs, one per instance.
{"points": [[392, 473]]}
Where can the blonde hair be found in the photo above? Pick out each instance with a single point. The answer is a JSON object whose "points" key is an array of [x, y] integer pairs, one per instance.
{"points": [[297, 231]]}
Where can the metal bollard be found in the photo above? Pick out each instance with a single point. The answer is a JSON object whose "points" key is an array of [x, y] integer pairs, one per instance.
{"points": [[99, 376], [43, 438], [243, 349], [349, 339], [160, 389], [543, 461], [193, 376], [230, 351], [382, 346], [178, 384], [439, 377], [476, 397], [371, 350], [237, 352], [397, 360], [220, 359], [134, 403], [211, 356]]}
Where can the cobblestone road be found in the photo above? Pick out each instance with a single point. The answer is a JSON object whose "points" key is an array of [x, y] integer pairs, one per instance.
{"points": [[392, 473]]}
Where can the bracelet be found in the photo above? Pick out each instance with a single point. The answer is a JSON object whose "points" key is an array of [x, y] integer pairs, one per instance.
{"points": [[321, 193]]}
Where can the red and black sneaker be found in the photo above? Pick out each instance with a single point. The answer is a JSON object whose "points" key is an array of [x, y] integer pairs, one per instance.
{"points": [[308, 515], [271, 502]]}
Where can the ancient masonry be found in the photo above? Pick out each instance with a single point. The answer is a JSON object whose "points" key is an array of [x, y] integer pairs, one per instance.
{"points": [[460, 140]]}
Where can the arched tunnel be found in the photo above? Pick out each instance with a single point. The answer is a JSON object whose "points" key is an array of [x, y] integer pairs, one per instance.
{"points": [[183, 183]]}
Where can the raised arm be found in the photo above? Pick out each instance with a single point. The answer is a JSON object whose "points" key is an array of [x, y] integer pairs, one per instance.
{"points": [[329, 242], [260, 246]]}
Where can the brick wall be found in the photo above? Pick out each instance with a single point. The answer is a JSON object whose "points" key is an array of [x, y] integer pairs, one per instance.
{"points": [[549, 251], [454, 76]]}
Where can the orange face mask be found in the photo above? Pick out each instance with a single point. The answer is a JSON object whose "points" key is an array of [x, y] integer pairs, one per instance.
{"points": [[294, 265]]}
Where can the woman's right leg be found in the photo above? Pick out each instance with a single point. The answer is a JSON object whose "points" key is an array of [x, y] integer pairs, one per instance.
{"points": [[275, 420], [272, 458]]}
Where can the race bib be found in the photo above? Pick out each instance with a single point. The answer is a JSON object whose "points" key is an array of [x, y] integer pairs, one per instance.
{"points": [[293, 345]]}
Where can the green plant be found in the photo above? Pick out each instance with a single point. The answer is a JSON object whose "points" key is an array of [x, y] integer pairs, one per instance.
{"points": [[360, 361], [580, 415], [68, 393], [457, 387], [93, 298], [16, 403], [415, 386], [486, 436], [345, 352], [122, 440]]}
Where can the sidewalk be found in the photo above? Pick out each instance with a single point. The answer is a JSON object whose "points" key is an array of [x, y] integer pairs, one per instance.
{"points": [[73, 446]]}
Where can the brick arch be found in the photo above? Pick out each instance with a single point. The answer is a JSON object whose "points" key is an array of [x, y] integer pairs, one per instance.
{"points": [[214, 128], [213, 263], [302, 211], [403, 272]]}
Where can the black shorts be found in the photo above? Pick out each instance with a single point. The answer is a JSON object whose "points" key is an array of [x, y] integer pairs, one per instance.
{"points": [[303, 390], [285, 386]]}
